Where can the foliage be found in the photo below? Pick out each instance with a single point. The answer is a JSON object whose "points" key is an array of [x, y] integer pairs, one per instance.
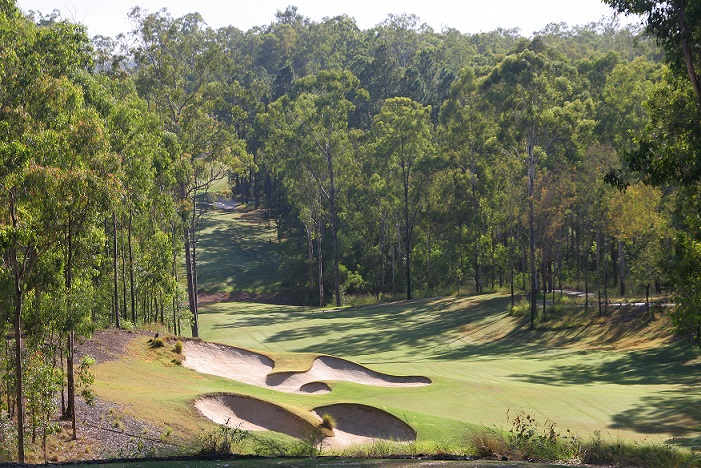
{"points": [[224, 440], [157, 343], [388, 161], [602, 452], [85, 379], [328, 421], [527, 439]]}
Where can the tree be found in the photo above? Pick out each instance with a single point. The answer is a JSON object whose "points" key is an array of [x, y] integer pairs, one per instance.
{"points": [[677, 26], [311, 130], [42, 121], [180, 61], [402, 132], [542, 120]]}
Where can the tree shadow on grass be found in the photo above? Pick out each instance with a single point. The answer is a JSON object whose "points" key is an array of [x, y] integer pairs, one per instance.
{"points": [[423, 326], [676, 413], [676, 363], [236, 255]]}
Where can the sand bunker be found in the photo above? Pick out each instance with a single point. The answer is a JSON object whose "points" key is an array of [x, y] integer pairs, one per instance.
{"points": [[361, 424], [227, 361], [252, 414], [355, 424], [255, 369], [327, 368]]}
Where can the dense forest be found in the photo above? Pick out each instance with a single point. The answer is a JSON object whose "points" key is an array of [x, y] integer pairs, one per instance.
{"points": [[395, 161]]}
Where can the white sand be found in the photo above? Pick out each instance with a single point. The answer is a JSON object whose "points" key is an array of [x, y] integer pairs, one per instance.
{"points": [[355, 424], [255, 369]]}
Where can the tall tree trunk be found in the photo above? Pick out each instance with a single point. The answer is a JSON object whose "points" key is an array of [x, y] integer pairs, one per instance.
{"points": [[478, 276], [123, 256], [71, 381], [407, 246], [193, 243], [176, 319], [598, 267], [687, 49], [64, 411], [394, 263], [531, 233], [382, 252], [647, 300], [320, 265], [115, 298], [19, 390], [71, 332], [334, 225], [190, 283], [586, 280], [132, 287], [511, 266], [310, 258], [622, 266], [17, 326]]}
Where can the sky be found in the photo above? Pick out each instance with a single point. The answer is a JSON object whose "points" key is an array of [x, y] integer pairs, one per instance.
{"points": [[108, 18]]}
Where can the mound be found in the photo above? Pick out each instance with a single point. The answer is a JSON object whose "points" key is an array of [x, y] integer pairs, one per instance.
{"points": [[228, 362], [252, 414], [253, 368], [357, 424]]}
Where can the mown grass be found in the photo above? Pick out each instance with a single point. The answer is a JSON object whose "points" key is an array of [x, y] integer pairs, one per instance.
{"points": [[483, 364], [238, 253], [583, 373], [620, 376]]}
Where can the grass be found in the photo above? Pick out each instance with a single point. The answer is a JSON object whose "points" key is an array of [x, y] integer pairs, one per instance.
{"points": [[620, 376], [238, 253], [595, 375]]}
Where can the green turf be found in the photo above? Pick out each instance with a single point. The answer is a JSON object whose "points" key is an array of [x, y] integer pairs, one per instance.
{"points": [[484, 364], [237, 252], [649, 394]]}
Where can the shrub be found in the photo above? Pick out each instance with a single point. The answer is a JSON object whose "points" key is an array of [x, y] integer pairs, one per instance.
{"points": [[521, 308], [600, 452], [224, 440], [309, 446], [268, 447], [328, 421], [526, 440], [178, 348], [540, 442], [489, 442], [157, 343]]}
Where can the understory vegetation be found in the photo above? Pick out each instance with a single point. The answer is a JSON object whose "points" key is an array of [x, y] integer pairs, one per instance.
{"points": [[525, 439]]}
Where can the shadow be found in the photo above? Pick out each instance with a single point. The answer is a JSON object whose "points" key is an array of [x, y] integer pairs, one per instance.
{"points": [[676, 413], [236, 252], [418, 324], [677, 363]]}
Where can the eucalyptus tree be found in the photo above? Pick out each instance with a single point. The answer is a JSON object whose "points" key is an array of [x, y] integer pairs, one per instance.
{"points": [[310, 140], [179, 62], [543, 120], [467, 141], [403, 138], [676, 24], [51, 147]]}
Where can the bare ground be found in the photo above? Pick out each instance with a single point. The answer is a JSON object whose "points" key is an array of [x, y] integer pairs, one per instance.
{"points": [[103, 430]]}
